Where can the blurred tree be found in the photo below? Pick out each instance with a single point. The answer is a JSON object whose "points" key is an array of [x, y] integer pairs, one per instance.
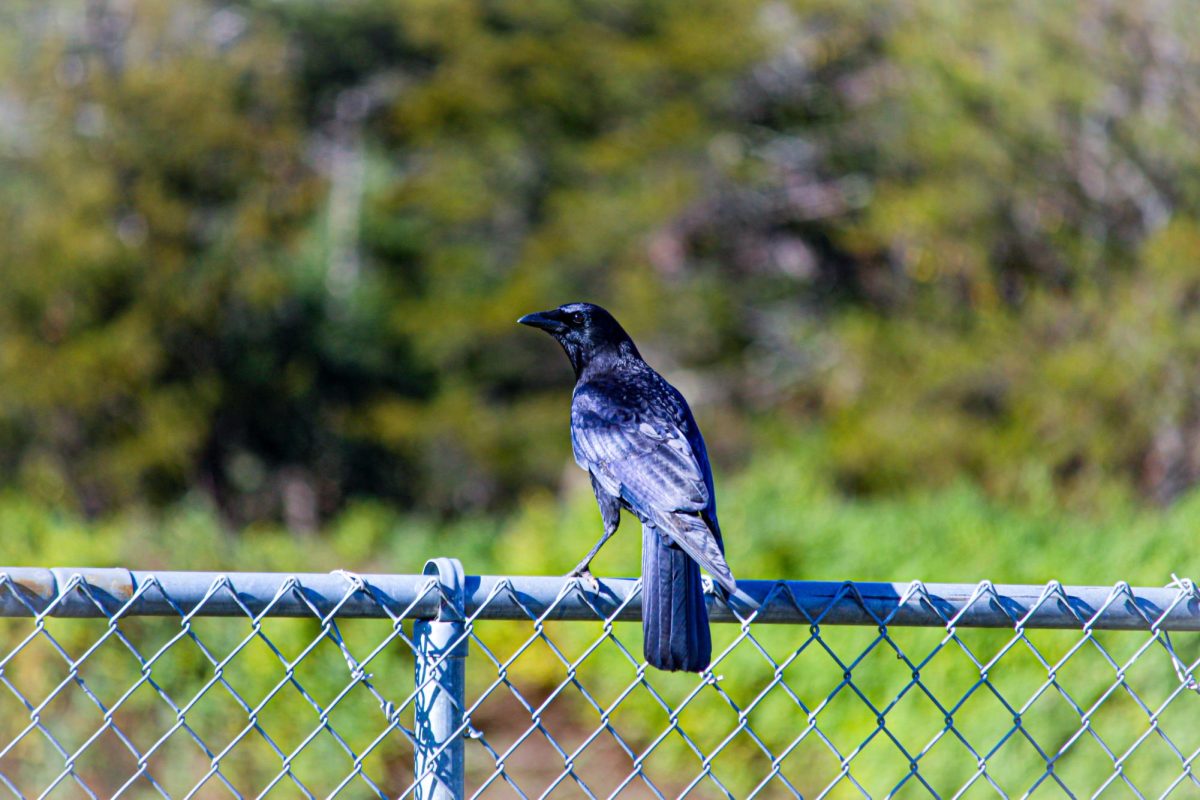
{"points": [[1034, 179], [496, 158], [273, 250], [155, 191]]}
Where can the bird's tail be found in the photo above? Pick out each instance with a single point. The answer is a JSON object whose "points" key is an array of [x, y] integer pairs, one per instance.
{"points": [[674, 620]]}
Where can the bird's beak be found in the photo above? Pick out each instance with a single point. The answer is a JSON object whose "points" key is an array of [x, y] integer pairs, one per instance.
{"points": [[543, 320]]}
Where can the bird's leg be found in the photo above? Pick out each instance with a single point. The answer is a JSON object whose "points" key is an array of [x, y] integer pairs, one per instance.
{"points": [[582, 568], [610, 513]]}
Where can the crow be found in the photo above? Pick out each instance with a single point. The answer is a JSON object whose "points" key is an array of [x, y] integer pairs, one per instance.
{"points": [[635, 435]]}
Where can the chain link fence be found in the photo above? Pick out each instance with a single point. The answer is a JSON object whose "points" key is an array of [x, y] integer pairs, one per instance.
{"points": [[174, 684]]}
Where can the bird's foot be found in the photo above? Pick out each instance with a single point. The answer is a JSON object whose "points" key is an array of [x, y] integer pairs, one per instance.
{"points": [[584, 574]]}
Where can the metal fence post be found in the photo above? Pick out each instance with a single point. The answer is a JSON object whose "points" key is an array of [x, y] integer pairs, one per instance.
{"points": [[441, 650]]}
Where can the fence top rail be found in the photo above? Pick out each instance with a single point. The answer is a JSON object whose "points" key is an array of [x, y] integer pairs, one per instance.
{"points": [[108, 592]]}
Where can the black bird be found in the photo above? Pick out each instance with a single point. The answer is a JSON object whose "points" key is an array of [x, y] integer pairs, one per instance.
{"points": [[634, 434]]}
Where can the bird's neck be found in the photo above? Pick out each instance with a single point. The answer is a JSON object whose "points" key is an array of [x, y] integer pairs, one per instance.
{"points": [[589, 361]]}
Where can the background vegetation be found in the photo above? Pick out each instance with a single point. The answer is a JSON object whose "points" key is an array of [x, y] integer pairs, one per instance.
{"points": [[269, 254], [928, 271]]}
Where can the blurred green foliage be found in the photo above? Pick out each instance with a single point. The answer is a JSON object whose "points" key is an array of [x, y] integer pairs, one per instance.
{"points": [[271, 252]]}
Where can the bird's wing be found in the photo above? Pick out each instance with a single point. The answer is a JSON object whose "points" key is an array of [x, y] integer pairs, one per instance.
{"points": [[646, 459], [634, 455]]}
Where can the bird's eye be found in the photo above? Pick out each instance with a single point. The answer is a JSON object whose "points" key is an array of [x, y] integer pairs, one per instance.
{"points": [[577, 318]]}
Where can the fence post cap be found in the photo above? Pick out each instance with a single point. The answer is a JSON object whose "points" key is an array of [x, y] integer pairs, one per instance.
{"points": [[452, 583]]}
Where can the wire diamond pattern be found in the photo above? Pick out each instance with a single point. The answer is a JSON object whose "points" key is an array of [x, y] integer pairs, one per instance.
{"points": [[288, 696]]}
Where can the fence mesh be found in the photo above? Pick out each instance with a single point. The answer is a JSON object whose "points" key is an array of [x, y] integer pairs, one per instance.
{"points": [[109, 702]]}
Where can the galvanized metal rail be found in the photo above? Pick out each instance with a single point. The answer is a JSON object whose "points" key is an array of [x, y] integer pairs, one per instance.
{"points": [[96, 592]]}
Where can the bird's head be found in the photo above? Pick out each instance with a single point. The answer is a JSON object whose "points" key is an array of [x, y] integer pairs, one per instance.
{"points": [[585, 331]]}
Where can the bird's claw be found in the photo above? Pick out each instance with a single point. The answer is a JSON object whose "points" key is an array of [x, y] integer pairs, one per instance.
{"points": [[584, 574]]}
